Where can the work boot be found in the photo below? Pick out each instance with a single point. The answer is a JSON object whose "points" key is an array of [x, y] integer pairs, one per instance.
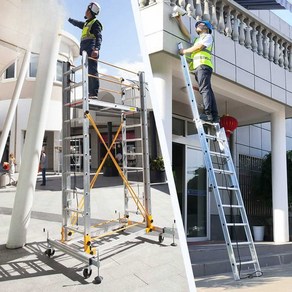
{"points": [[206, 118], [216, 120], [93, 97]]}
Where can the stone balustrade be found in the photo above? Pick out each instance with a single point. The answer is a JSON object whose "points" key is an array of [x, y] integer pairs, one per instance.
{"points": [[242, 26]]}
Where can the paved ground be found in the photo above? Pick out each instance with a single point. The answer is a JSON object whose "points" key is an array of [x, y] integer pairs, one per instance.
{"points": [[276, 278], [139, 264]]}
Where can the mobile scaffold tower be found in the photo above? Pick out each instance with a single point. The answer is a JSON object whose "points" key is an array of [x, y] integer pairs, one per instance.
{"points": [[80, 238]]}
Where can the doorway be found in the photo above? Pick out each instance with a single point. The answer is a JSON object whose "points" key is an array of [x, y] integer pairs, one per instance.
{"points": [[191, 184]]}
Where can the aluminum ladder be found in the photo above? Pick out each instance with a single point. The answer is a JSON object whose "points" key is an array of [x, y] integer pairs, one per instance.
{"points": [[223, 182], [139, 166]]}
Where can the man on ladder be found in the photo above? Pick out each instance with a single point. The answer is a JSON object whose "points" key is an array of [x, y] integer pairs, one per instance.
{"points": [[202, 66], [91, 39]]}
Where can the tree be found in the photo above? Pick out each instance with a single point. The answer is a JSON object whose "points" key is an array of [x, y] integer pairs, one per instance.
{"points": [[262, 187]]}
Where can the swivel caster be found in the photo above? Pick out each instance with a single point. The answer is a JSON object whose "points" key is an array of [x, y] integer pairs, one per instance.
{"points": [[50, 252], [87, 273], [160, 238]]}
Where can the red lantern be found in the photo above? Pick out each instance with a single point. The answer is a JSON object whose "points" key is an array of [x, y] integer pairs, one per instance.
{"points": [[229, 124]]}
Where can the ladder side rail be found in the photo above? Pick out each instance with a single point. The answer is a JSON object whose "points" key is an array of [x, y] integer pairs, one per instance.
{"points": [[86, 156], [234, 181], [240, 201], [145, 143], [189, 86], [125, 162], [66, 129]]}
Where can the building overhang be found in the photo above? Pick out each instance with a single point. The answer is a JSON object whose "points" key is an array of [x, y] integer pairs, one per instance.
{"points": [[265, 4]]}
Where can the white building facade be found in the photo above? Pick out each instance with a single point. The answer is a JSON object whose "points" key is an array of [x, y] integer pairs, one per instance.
{"points": [[252, 56], [69, 50]]}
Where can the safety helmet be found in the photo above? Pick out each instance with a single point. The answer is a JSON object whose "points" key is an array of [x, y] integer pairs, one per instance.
{"points": [[94, 8], [206, 23]]}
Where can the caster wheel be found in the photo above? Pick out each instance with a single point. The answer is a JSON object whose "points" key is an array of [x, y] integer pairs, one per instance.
{"points": [[97, 280], [50, 252], [160, 238], [87, 273]]}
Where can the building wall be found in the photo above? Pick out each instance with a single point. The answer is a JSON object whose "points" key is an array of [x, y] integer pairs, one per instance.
{"points": [[68, 51]]}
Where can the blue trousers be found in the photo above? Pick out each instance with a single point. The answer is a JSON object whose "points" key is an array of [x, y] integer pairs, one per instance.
{"points": [[203, 75], [44, 176]]}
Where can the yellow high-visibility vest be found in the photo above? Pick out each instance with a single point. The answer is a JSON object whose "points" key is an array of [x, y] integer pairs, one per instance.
{"points": [[86, 35], [203, 57]]}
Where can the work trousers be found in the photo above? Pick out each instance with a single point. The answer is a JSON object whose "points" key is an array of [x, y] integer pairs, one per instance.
{"points": [[93, 83], [203, 75]]}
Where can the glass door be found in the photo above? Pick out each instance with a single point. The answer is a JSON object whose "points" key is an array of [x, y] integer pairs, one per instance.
{"points": [[196, 195]]}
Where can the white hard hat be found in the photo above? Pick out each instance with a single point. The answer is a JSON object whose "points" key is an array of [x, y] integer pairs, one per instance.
{"points": [[94, 7]]}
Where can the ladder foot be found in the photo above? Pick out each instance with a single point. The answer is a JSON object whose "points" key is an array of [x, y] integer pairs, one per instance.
{"points": [[97, 280]]}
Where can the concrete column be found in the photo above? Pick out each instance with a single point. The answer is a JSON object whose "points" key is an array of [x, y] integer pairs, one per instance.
{"points": [[162, 73], [33, 141], [279, 178], [14, 102]]}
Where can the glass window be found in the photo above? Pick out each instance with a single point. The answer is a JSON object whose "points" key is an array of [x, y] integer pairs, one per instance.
{"points": [[33, 65], [191, 129], [10, 71], [196, 194], [59, 72], [178, 127]]}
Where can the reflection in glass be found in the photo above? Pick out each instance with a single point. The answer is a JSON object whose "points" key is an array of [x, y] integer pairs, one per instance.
{"points": [[196, 194]]}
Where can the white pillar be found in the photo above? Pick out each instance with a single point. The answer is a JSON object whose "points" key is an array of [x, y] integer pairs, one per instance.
{"points": [[33, 142], [279, 178], [162, 73], [14, 102]]}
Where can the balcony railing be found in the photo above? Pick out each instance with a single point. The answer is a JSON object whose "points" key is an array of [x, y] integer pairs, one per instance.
{"points": [[237, 23]]}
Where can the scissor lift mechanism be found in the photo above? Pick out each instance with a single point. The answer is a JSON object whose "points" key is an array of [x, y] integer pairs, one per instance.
{"points": [[77, 219]]}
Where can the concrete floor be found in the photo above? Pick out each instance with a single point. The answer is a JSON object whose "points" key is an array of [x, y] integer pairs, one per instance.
{"points": [[139, 264]]}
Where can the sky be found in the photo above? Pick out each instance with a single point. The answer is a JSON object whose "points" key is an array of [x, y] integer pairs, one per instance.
{"points": [[120, 42]]}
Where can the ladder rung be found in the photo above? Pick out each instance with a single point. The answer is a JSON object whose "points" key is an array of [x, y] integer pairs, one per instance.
{"points": [[227, 188], [215, 138], [135, 183], [218, 154], [222, 171], [73, 70], [72, 155], [72, 86], [133, 153], [73, 172], [246, 263], [133, 140], [79, 191], [133, 212], [133, 168], [236, 224], [132, 98], [74, 210], [232, 206], [132, 126], [241, 243], [74, 137], [74, 229]]}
